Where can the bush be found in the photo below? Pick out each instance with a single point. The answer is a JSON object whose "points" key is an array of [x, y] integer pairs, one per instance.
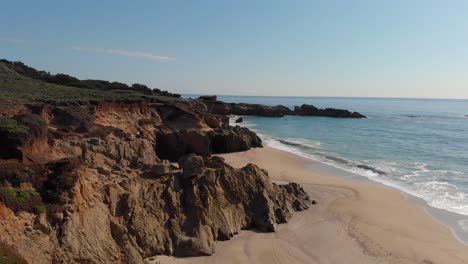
{"points": [[17, 173], [12, 127], [51, 210], [63, 177], [28, 201], [40, 210]]}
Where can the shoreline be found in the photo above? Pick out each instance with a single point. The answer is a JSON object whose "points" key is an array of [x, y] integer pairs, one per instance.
{"points": [[367, 221], [458, 223], [445, 217]]}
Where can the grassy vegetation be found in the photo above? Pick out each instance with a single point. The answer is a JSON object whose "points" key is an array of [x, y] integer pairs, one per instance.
{"points": [[19, 88], [64, 79], [29, 201], [47, 185], [61, 179], [12, 127], [9, 256], [17, 173]]}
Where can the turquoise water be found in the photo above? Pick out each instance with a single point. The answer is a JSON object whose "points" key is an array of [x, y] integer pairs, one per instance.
{"points": [[417, 145]]}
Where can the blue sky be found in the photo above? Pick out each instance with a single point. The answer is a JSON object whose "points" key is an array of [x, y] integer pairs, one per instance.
{"points": [[299, 48]]}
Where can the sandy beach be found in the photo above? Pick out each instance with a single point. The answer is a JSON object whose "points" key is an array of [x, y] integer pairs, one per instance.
{"points": [[352, 222]]}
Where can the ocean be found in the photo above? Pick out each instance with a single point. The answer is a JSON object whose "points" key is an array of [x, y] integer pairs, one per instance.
{"points": [[419, 146]]}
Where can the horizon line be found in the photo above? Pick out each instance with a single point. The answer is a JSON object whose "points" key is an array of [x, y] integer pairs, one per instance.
{"points": [[318, 96]]}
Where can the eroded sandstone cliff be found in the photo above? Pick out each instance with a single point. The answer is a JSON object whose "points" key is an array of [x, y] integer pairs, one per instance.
{"points": [[121, 180]]}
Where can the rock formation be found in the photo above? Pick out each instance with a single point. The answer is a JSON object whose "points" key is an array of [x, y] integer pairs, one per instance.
{"points": [[218, 107], [210, 98], [310, 110], [103, 172], [100, 188], [175, 144]]}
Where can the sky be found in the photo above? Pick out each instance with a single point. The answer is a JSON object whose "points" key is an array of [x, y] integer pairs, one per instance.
{"points": [[359, 48]]}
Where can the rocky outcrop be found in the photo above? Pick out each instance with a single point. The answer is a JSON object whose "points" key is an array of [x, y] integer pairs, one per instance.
{"points": [[175, 144], [125, 219], [23, 138], [185, 214], [218, 107], [189, 116], [234, 139], [310, 110], [210, 98], [96, 183]]}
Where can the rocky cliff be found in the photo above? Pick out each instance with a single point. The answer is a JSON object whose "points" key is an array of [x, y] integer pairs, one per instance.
{"points": [[117, 181], [101, 172]]}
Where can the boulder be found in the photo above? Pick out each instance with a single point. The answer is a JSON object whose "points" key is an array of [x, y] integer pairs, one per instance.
{"points": [[191, 246], [233, 139], [95, 141], [192, 165], [210, 98], [41, 224], [161, 168], [239, 120], [103, 171]]}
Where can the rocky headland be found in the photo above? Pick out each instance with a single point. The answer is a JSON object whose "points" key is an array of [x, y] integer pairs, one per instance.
{"points": [[93, 175], [218, 107]]}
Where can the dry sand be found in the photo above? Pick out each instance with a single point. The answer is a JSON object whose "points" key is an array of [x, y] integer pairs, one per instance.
{"points": [[353, 222]]}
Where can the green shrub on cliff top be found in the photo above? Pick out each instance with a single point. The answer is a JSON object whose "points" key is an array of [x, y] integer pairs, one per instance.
{"points": [[12, 127]]}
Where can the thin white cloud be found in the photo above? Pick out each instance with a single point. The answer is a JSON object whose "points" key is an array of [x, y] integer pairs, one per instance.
{"points": [[129, 53], [11, 40]]}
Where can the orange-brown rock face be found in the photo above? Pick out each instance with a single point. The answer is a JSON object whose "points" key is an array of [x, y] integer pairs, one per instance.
{"points": [[24, 138], [114, 198], [127, 219], [125, 116]]}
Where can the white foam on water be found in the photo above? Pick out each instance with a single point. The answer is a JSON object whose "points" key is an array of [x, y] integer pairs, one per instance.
{"points": [[413, 178], [244, 123], [463, 224], [417, 181]]}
